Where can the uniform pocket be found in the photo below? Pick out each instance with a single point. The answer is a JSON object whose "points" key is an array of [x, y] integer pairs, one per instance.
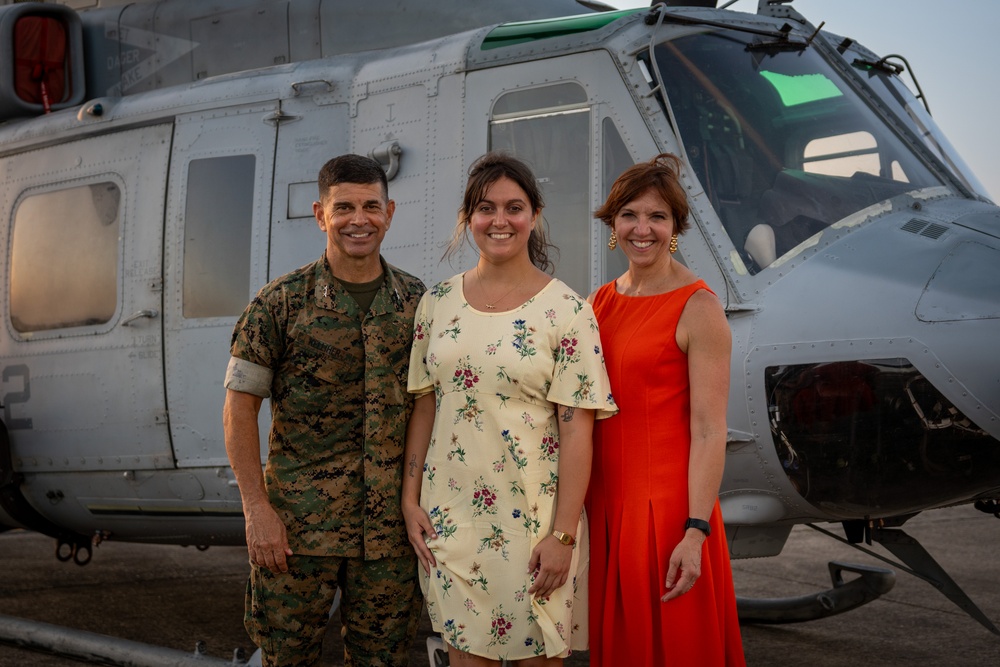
{"points": [[324, 361]]}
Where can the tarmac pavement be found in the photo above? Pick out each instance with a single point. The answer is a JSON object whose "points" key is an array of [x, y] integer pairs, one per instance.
{"points": [[172, 596]]}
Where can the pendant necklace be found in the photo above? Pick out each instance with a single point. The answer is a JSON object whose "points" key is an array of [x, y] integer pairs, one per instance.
{"points": [[492, 306]]}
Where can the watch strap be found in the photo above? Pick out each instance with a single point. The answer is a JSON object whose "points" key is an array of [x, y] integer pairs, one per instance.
{"points": [[700, 524]]}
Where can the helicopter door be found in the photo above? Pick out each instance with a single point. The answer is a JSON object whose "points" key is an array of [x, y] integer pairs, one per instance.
{"points": [[575, 122], [82, 359], [555, 115], [313, 130], [218, 217]]}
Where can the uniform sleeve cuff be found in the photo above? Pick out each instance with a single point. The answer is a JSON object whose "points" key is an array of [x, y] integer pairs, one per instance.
{"points": [[248, 377]]}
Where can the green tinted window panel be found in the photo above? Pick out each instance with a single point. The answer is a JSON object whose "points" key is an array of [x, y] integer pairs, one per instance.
{"points": [[801, 88], [509, 34]]}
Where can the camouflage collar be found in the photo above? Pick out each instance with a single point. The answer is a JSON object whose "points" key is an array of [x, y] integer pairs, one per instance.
{"points": [[331, 295]]}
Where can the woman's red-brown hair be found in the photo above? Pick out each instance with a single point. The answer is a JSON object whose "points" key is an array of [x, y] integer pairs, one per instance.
{"points": [[662, 176]]}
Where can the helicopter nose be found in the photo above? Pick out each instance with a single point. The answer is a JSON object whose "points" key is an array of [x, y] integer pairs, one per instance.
{"points": [[895, 401], [962, 300], [956, 292]]}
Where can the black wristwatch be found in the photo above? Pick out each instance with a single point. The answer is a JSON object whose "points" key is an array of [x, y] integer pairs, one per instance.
{"points": [[700, 524]]}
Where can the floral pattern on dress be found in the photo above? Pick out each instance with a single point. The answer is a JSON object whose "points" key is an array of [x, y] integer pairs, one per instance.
{"points": [[484, 498], [479, 579], [453, 329], [514, 448], [523, 341], [453, 633], [495, 540], [443, 524], [501, 624], [457, 452], [491, 471], [549, 449], [566, 352]]}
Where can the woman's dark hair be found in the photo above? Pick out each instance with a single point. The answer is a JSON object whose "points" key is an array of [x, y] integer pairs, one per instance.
{"points": [[661, 175], [483, 173]]}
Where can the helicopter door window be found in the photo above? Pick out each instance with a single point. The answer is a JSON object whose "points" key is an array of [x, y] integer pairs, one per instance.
{"points": [[217, 235], [65, 258], [615, 159], [549, 128]]}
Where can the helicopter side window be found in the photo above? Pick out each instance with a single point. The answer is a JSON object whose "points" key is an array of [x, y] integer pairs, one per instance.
{"points": [[549, 128], [217, 235], [65, 258]]}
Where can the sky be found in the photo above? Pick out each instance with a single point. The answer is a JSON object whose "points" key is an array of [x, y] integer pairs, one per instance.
{"points": [[952, 49]]}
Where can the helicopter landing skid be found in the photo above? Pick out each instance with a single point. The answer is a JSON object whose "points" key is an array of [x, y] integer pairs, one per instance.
{"points": [[872, 583]]}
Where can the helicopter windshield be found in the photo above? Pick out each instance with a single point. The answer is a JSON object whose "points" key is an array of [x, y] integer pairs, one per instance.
{"points": [[782, 145], [899, 97]]}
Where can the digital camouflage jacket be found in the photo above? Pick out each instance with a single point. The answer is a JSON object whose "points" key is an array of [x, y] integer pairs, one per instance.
{"points": [[339, 407]]}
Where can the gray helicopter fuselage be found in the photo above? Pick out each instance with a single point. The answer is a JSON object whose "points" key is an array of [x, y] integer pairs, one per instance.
{"points": [[864, 384]]}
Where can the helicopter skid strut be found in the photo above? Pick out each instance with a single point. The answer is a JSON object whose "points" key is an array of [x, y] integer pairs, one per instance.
{"points": [[872, 583], [101, 649]]}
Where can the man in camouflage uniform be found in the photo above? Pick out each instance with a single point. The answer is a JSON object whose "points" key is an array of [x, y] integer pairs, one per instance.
{"points": [[329, 344]]}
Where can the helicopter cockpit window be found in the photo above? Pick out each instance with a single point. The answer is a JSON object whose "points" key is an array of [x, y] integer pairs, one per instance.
{"points": [[64, 258], [782, 144], [549, 128], [843, 155], [217, 235], [907, 106]]}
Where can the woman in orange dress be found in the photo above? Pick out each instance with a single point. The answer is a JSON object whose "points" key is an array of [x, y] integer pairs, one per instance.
{"points": [[661, 590]]}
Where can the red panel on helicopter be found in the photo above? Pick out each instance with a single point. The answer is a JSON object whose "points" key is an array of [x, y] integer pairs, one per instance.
{"points": [[41, 62]]}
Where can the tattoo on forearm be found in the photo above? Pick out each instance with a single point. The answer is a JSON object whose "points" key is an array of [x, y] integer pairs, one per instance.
{"points": [[567, 415], [413, 466]]}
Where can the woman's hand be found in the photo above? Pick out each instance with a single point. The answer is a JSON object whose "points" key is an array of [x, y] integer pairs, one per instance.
{"points": [[419, 529], [685, 565], [550, 561]]}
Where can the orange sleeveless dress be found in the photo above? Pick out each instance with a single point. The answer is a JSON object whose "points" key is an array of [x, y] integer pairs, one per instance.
{"points": [[638, 501]]}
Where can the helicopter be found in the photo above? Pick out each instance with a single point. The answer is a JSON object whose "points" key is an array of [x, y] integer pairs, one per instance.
{"points": [[159, 165]]}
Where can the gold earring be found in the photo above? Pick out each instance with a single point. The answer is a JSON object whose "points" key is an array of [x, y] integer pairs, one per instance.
{"points": [[613, 241], [673, 244]]}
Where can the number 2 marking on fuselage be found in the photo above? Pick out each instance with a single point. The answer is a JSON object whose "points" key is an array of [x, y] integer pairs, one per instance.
{"points": [[15, 397]]}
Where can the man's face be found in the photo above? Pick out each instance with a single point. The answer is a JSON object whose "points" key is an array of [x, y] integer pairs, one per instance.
{"points": [[355, 217]]}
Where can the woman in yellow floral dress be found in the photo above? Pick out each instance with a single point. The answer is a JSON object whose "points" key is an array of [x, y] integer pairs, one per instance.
{"points": [[507, 364]]}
